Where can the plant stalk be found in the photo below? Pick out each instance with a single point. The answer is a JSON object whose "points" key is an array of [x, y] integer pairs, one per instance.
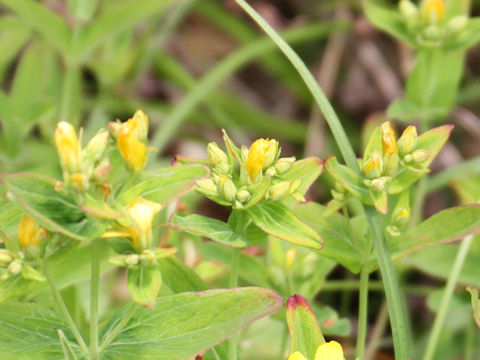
{"points": [[362, 314], [63, 309], [446, 298], [94, 296], [119, 327], [232, 283]]}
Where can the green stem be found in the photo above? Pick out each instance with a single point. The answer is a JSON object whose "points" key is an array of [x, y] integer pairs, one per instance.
{"points": [[447, 296], [232, 283], [119, 327], [362, 314], [397, 311], [419, 201], [63, 309], [94, 295], [395, 302], [340, 285], [470, 341]]}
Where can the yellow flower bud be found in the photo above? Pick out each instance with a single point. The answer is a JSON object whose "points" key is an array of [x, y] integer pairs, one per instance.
{"points": [[290, 257], [297, 355], [284, 164], [331, 350], [401, 216], [389, 142], [68, 147], [28, 232], [373, 166], [15, 267], [408, 9], [408, 140], [243, 195], [433, 11], [80, 181], [261, 155], [142, 212], [280, 190], [131, 140], [206, 187]]}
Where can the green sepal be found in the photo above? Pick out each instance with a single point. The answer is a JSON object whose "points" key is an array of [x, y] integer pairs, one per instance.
{"points": [[233, 151], [380, 200], [433, 141], [277, 220], [144, 283], [30, 273], [305, 333], [349, 179], [258, 192], [307, 170], [374, 143]]}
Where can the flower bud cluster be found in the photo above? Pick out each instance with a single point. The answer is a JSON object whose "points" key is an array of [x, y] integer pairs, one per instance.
{"points": [[241, 177], [431, 23], [146, 258]]}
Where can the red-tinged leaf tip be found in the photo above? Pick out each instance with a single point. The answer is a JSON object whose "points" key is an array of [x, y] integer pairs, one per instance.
{"points": [[297, 300], [198, 357]]}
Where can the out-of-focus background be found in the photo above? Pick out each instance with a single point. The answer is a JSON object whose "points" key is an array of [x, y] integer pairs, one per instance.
{"points": [[196, 67]]}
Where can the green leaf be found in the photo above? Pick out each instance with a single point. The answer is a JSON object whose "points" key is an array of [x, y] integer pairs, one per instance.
{"points": [[115, 21], [144, 284], [307, 170], [380, 200], [349, 179], [51, 26], [406, 111], [446, 226], [164, 185], [342, 243], [184, 325], [388, 19], [433, 141], [210, 228], [29, 331], [433, 83], [305, 333], [15, 35], [277, 220], [178, 277], [36, 195]]}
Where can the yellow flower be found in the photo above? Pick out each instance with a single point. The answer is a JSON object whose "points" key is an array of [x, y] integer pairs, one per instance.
{"points": [[433, 11], [389, 141], [28, 233], [261, 155], [142, 211], [131, 140], [68, 147], [331, 350]]}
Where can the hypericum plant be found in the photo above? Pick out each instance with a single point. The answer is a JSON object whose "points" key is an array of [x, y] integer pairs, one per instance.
{"points": [[103, 214]]}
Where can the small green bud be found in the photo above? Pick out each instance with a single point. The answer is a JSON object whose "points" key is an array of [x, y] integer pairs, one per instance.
{"points": [[373, 166], [238, 205], [284, 164], [15, 267], [379, 183], [408, 9], [218, 158], [280, 190], [6, 257], [206, 187], [457, 24], [244, 153], [393, 231], [340, 188], [226, 188], [401, 217], [243, 195], [271, 171], [432, 32], [298, 197], [132, 260], [96, 146], [419, 156], [407, 141]]}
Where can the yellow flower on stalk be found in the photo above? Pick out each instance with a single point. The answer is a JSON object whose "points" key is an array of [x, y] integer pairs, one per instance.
{"points": [[331, 350], [131, 140], [389, 141], [29, 233], [433, 11], [68, 147], [141, 213], [261, 155]]}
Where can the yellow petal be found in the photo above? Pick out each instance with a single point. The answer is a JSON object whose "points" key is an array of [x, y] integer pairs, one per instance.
{"points": [[27, 232], [142, 212], [261, 154], [68, 146], [331, 350], [297, 356], [388, 139], [434, 10], [131, 140]]}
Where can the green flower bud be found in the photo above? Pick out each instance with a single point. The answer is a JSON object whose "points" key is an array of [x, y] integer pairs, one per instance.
{"points": [[218, 158], [457, 24], [206, 187], [271, 171], [373, 166], [408, 9], [280, 190], [6, 257], [226, 188], [401, 217], [393, 231], [284, 164], [379, 183], [419, 156], [407, 141], [132, 260], [243, 195], [147, 258], [432, 32], [96, 146], [15, 267]]}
